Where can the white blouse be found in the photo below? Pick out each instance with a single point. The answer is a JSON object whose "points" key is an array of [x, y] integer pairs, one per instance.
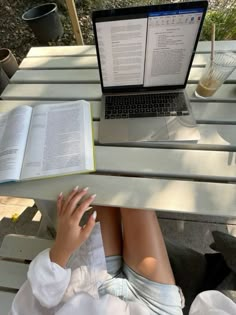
{"points": [[46, 293], [53, 290]]}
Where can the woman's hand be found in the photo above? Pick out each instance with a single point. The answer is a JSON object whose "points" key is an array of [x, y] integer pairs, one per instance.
{"points": [[69, 234]]}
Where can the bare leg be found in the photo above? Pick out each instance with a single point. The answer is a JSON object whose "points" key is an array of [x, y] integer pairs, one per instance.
{"points": [[144, 249], [110, 221]]}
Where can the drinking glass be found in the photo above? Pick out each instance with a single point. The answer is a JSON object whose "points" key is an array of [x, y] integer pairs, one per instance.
{"points": [[215, 73]]}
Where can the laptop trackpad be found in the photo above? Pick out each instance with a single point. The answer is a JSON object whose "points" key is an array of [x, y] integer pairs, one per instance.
{"points": [[150, 129]]}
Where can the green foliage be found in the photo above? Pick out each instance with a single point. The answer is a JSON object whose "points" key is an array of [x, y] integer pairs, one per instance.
{"points": [[220, 12], [225, 23], [109, 4]]}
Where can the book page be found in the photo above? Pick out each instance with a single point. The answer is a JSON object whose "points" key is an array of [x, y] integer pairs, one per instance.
{"points": [[57, 140], [122, 49], [13, 135]]}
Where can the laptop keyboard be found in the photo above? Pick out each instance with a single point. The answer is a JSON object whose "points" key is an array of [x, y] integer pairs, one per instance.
{"points": [[145, 105]]}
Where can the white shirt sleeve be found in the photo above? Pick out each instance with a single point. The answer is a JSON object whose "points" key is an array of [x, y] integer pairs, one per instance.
{"points": [[44, 289], [212, 302], [48, 280], [43, 294]]}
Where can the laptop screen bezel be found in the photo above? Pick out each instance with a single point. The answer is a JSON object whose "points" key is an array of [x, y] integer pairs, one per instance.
{"points": [[142, 11]]}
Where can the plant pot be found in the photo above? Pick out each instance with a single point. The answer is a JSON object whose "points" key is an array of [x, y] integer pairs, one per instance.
{"points": [[45, 22], [4, 80], [8, 62]]}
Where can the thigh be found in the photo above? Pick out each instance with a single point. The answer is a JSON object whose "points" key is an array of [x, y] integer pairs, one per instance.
{"points": [[144, 249], [110, 221]]}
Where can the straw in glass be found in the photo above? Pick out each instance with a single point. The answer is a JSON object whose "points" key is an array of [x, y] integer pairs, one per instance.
{"points": [[213, 30], [212, 51]]}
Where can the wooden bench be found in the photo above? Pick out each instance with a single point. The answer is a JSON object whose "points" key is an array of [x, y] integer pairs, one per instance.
{"points": [[16, 253]]}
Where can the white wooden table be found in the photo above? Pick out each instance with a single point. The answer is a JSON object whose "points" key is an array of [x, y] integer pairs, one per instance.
{"points": [[177, 177]]}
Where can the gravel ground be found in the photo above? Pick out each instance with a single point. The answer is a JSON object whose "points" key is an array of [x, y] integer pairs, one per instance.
{"points": [[18, 37]]}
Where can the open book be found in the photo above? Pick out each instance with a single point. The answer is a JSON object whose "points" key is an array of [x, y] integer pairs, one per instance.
{"points": [[46, 140]]}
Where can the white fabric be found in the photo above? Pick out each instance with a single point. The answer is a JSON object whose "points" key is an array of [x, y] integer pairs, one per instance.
{"points": [[88, 265], [212, 303], [52, 290]]}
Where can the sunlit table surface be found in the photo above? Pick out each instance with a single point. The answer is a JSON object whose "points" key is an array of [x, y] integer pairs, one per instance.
{"points": [[169, 176]]}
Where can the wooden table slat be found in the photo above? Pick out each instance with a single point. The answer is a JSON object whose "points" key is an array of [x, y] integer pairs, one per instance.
{"points": [[205, 46], [56, 76], [77, 62], [74, 50], [209, 112], [214, 112], [84, 76], [213, 137], [52, 91], [202, 47], [143, 193], [88, 91], [12, 274], [6, 299], [145, 162], [59, 62], [23, 247]]}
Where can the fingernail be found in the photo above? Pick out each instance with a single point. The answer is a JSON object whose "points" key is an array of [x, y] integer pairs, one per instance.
{"points": [[60, 195], [93, 196], [85, 189], [94, 215], [76, 188]]}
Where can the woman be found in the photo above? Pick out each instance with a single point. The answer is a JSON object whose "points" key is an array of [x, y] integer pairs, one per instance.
{"points": [[135, 278]]}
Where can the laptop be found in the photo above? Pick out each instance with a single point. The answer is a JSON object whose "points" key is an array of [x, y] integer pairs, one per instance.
{"points": [[144, 55]]}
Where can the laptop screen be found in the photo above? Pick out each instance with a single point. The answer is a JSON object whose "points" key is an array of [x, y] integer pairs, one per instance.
{"points": [[147, 49]]}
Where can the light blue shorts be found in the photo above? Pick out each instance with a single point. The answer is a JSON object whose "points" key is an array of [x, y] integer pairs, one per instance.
{"points": [[126, 284]]}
